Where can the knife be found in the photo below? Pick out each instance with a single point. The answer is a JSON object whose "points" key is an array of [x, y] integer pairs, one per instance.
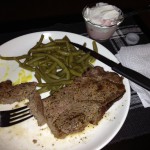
{"points": [[119, 68]]}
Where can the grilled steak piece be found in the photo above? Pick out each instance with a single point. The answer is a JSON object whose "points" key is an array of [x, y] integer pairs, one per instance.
{"points": [[73, 117], [73, 107], [85, 101], [36, 108], [10, 94]]}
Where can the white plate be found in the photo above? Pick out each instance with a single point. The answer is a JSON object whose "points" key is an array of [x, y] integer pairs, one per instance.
{"points": [[27, 135]]}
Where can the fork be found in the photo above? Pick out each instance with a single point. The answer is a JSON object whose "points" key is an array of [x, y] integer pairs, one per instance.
{"points": [[15, 116]]}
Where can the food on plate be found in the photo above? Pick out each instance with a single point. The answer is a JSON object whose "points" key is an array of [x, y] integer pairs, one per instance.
{"points": [[85, 101], [37, 109], [80, 93], [74, 106], [10, 94], [55, 63]]}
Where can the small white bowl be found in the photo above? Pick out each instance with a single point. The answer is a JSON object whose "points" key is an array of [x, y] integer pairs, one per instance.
{"points": [[101, 32]]}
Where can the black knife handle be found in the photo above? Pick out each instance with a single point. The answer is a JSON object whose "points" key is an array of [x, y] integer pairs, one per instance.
{"points": [[133, 76]]}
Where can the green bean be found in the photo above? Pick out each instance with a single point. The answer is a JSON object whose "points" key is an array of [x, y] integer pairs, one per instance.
{"points": [[46, 61], [43, 76], [62, 65], [74, 72], [84, 44], [44, 89], [51, 40], [43, 62], [43, 49], [49, 44], [56, 62], [40, 41], [66, 38], [70, 59], [79, 68], [52, 75], [60, 57], [66, 41], [78, 53], [63, 53], [14, 57], [95, 48], [59, 41], [27, 67], [38, 54], [38, 77], [34, 59], [53, 66], [87, 55]]}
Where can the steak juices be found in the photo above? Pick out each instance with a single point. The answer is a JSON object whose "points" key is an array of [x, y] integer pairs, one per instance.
{"points": [[102, 20]]}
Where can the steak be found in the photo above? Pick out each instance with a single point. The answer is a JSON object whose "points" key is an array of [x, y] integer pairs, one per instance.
{"points": [[10, 94], [85, 101], [36, 108], [73, 107]]}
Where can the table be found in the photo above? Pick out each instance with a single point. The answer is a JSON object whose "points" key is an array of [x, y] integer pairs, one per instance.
{"points": [[137, 123]]}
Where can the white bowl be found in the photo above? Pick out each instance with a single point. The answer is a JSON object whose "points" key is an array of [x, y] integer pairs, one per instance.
{"points": [[101, 32]]}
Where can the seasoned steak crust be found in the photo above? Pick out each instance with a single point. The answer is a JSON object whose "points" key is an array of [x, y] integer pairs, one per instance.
{"points": [[73, 107], [10, 94], [36, 108], [85, 101]]}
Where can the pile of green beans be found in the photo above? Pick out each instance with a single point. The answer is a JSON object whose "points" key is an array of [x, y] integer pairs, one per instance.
{"points": [[55, 63]]}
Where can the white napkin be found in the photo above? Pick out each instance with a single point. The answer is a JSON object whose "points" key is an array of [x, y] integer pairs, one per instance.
{"points": [[137, 58]]}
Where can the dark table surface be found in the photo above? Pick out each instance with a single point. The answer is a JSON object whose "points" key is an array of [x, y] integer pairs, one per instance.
{"points": [[136, 129]]}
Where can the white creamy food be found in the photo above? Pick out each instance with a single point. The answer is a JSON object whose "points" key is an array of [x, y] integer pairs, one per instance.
{"points": [[102, 14]]}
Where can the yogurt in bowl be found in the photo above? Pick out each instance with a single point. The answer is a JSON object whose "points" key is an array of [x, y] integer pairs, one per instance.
{"points": [[102, 20]]}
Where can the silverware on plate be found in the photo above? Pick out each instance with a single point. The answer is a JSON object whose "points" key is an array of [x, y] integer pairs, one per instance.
{"points": [[15, 116], [119, 68]]}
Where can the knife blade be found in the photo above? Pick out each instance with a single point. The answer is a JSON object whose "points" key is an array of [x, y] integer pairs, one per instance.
{"points": [[118, 67]]}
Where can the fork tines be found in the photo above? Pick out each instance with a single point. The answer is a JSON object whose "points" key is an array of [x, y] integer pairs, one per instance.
{"points": [[15, 116]]}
